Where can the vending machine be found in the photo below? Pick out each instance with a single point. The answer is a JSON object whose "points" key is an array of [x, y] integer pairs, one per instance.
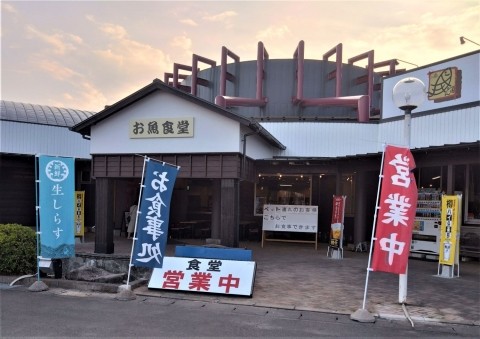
{"points": [[426, 229]]}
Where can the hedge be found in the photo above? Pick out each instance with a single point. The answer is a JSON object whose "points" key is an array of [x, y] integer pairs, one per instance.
{"points": [[18, 249]]}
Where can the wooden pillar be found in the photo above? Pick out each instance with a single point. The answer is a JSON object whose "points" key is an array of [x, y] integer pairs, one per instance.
{"points": [[104, 216], [229, 212], [216, 199], [450, 182], [359, 226]]}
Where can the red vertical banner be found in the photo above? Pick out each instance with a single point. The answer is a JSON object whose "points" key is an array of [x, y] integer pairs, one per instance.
{"points": [[336, 227], [398, 200]]}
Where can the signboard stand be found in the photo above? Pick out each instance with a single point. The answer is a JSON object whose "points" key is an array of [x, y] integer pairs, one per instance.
{"points": [[335, 253], [335, 246], [264, 238], [447, 271], [450, 237], [79, 217], [290, 218]]}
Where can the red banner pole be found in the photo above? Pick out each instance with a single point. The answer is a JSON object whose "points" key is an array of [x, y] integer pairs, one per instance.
{"points": [[380, 178]]}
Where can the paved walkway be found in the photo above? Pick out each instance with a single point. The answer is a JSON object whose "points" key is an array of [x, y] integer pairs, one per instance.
{"points": [[296, 276]]}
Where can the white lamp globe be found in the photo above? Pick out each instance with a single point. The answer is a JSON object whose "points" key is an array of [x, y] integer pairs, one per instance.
{"points": [[409, 93]]}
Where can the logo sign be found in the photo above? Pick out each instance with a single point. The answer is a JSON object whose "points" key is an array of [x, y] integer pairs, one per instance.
{"points": [[56, 201], [290, 218], [336, 228], [79, 216], [449, 230], [445, 84], [396, 216], [205, 275], [153, 214], [161, 128]]}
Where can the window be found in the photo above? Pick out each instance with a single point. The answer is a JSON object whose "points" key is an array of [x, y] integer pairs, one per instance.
{"points": [[432, 177], [85, 177], [467, 183], [472, 198], [282, 190]]}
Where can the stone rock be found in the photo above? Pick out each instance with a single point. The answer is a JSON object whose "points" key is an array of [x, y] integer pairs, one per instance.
{"points": [[94, 274]]}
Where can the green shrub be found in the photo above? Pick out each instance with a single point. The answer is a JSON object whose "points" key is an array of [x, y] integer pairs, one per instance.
{"points": [[18, 249]]}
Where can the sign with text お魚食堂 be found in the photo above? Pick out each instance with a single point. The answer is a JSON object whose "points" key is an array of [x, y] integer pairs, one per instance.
{"points": [[161, 128]]}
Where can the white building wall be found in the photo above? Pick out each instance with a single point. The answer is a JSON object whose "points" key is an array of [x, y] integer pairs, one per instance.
{"points": [[448, 128], [470, 81], [324, 139], [256, 146], [31, 139], [212, 131]]}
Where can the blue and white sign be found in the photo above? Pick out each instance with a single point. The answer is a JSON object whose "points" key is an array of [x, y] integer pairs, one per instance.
{"points": [[56, 201], [153, 214]]}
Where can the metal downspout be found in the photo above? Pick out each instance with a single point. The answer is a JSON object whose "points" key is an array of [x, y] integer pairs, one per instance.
{"points": [[244, 152]]}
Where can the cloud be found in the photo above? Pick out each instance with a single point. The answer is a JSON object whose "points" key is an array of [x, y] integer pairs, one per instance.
{"points": [[82, 95], [221, 17], [55, 70], [181, 41], [91, 95], [189, 22], [430, 31], [127, 55], [61, 43], [114, 31], [78, 93], [275, 32], [8, 8]]}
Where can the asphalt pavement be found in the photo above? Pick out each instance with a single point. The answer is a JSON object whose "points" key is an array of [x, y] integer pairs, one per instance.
{"points": [[292, 276], [69, 313]]}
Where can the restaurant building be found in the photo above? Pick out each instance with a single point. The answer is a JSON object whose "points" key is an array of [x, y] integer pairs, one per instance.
{"points": [[287, 131], [247, 133]]}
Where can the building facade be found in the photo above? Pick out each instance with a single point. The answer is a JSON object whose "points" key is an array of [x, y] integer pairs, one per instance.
{"points": [[285, 131], [249, 133]]}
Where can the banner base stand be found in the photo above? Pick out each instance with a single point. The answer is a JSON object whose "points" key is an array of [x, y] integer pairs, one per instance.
{"points": [[447, 271], [38, 286], [125, 293], [335, 253], [363, 316]]}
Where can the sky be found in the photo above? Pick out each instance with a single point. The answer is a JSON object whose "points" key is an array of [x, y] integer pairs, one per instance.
{"points": [[88, 54]]}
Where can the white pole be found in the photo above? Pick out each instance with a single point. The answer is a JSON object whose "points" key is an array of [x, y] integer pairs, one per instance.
{"points": [[136, 220], [380, 178], [37, 217], [403, 278]]}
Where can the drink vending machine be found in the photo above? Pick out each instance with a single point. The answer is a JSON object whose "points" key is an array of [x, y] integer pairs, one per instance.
{"points": [[426, 229]]}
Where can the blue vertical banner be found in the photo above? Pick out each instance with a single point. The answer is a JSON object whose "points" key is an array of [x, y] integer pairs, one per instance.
{"points": [[153, 214], [56, 201]]}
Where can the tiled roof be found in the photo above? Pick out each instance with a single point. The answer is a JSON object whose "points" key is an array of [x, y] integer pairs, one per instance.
{"points": [[40, 114]]}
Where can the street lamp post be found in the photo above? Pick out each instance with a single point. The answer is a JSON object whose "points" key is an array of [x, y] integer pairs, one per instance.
{"points": [[408, 94]]}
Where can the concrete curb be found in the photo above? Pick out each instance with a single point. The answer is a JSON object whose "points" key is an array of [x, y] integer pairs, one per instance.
{"points": [[85, 286]]}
